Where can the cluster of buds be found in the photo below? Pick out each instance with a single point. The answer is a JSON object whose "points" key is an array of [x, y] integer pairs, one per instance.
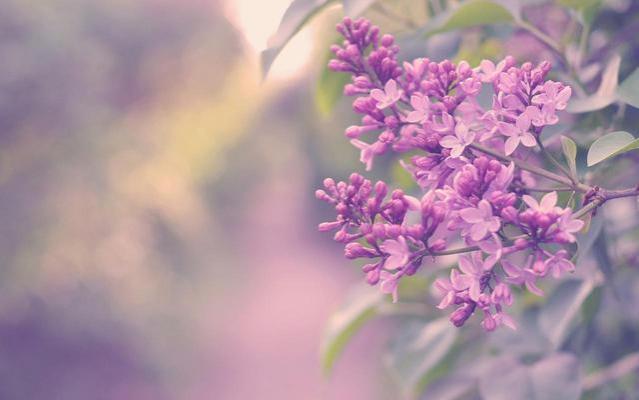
{"points": [[467, 166]]}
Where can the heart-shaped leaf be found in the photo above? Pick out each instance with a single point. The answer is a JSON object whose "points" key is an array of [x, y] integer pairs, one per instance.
{"points": [[361, 306], [611, 145]]}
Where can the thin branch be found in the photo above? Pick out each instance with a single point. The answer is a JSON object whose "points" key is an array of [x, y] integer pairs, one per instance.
{"points": [[613, 372]]}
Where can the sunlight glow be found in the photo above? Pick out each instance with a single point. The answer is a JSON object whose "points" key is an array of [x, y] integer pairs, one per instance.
{"points": [[257, 21]]}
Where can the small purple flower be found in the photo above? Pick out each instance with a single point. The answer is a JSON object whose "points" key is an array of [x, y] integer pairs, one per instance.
{"points": [[481, 219], [567, 227], [517, 133], [397, 251], [542, 117], [448, 288], [421, 109], [457, 143], [523, 276], [559, 263], [489, 72], [388, 283], [387, 97], [474, 273], [369, 151], [554, 95]]}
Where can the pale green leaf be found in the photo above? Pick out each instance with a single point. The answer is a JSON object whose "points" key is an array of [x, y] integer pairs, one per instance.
{"points": [[296, 15], [611, 145], [361, 306], [418, 350], [606, 93], [628, 90], [558, 314], [569, 148], [472, 13]]}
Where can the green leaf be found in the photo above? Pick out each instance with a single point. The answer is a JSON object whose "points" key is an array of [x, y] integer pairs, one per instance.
{"points": [[628, 91], [297, 14], [606, 94], [361, 306], [556, 377], [418, 350], [471, 13], [611, 145], [564, 304], [329, 89], [354, 8], [569, 148]]}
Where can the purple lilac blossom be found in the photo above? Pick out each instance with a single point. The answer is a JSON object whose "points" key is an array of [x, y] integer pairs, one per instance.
{"points": [[467, 197]]}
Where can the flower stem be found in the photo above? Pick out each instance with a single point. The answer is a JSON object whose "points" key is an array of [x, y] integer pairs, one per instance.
{"points": [[532, 168]]}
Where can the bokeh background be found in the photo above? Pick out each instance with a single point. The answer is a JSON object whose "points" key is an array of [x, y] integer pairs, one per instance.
{"points": [[157, 234], [158, 222]]}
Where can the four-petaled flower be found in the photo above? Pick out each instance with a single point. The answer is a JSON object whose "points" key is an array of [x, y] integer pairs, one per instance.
{"points": [[457, 143], [448, 288], [474, 269], [520, 276], [397, 251], [481, 219], [421, 109], [517, 133], [387, 97]]}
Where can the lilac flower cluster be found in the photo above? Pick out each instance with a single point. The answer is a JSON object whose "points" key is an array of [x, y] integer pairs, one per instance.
{"points": [[467, 164]]}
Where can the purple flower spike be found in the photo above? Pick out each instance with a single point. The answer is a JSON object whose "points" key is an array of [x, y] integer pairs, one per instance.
{"points": [[468, 195]]}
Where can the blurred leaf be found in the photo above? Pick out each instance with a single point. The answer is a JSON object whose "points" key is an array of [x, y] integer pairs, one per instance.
{"points": [[418, 350], [354, 8], [359, 308], [329, 89], [587, 239], [297, 14], [587, 9], [611, 145], [450, 387], [628, 91], [591, 304], [527, 340], [563, 305], [556, 377], [471, 13], [569, 148], [606, 94]]}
